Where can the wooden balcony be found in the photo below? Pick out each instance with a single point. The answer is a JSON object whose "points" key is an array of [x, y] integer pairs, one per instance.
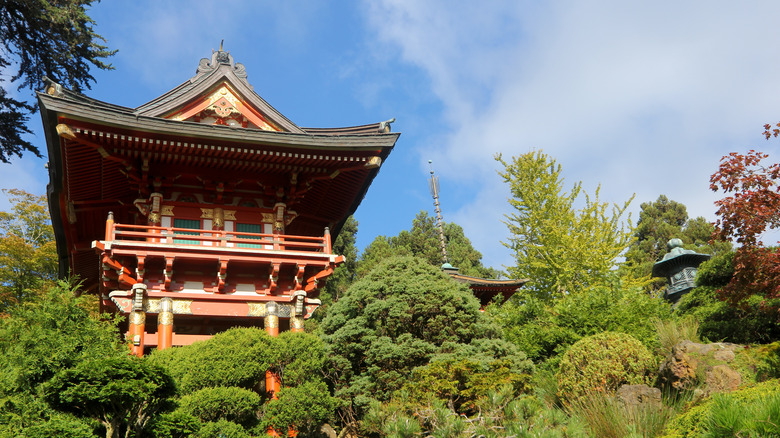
{"points": [[144, 253]]}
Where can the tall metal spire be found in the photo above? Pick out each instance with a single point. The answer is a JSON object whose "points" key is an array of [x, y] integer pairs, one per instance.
{"points": [[434, 185]]}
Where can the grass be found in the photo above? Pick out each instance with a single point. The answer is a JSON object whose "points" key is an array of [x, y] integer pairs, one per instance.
{"points": [[608, 417], [672, 331]]}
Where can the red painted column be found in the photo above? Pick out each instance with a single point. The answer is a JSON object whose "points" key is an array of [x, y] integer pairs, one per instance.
{"points": [[272, 383], [165, 324], [137, 325], [296, 324]]}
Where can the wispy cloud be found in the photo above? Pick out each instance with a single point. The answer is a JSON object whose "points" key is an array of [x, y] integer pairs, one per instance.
{"points": [[642, 98]]}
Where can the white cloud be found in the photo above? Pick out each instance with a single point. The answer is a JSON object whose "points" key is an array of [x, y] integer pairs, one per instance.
{"points": [[642, 98]]}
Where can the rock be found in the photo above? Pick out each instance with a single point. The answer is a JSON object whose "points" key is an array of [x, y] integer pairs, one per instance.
{"points": [[689, 363], [635, 395], [722, 378]]}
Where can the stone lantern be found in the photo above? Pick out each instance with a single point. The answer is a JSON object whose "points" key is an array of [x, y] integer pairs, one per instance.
{"points": [[679, 266]]}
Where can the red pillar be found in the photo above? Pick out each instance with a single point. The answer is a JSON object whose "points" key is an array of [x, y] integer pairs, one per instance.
{"points": [[137, 320], [165, 324], [272, 383], [296, 324]]}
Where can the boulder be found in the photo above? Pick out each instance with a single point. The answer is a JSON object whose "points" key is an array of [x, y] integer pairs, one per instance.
{"points": [[691, 364], [635, 395]]}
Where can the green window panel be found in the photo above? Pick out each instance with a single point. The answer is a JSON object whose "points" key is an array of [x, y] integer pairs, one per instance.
{"points": [[249, 228], [192, 224]]}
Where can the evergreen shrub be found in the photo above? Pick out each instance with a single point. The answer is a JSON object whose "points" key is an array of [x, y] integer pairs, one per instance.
{"points": [[602, 363], [749, 412], [234, 404]]}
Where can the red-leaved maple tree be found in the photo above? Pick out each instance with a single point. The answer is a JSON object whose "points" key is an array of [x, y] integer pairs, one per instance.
{"points": [[751, 207]]}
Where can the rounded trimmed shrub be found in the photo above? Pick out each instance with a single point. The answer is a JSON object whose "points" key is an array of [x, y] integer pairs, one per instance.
{"points": [[234, 404], [602, 363]]}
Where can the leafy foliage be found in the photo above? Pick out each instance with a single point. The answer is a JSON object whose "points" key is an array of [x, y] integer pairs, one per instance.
{"points": [[304, 407], [223, 382], [544, 329], [462, 383], [562, 249], [660, 221], [601, 363], [237, 357], [230, 403], [753, 321], [53, 333], [222, 429], [751, 207], [345, 274], [422, 241], [748, 412], [394, 319], [500, 413], [53, 38], [28, 255], [121, 392]]}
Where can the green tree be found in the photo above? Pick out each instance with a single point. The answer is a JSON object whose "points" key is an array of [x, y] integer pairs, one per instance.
{"points": [[422, 241], [39, 338], [344, 275], [754, 321], [53, 38], [217, 378], [544, 329], [400, 316], [28, 254], [122, 392], [660, 221], [562, 249]]}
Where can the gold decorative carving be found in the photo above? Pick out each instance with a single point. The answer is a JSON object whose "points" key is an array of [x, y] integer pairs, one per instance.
{"points": [[65, 131], [167, 210], [256, 309], [166, 318], [137, 318], [182, 307], [374, 162], [271, 321], [268, 218], [154, 218], [219, 218], [296, 323], [152, 305], [208, 213]]}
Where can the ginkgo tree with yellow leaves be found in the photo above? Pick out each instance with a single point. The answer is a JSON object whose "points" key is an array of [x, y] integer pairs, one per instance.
{"points": [[28, 254], [560, 247]]}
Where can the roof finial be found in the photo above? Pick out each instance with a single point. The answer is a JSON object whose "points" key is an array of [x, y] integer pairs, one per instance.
{"points": [[220, 44]]}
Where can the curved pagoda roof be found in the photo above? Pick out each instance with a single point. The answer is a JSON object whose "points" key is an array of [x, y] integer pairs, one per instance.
{"points": [[212, 133]]}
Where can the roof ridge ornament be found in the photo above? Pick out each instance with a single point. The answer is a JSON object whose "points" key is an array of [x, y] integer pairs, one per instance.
{"points": [[220, 57]]}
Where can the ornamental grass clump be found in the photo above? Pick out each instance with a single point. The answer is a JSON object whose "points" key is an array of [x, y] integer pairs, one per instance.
{"points": [[601, 364]]}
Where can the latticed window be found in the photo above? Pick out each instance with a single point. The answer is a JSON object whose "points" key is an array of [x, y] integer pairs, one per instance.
{"points": [[192, 224], [249, 228]]}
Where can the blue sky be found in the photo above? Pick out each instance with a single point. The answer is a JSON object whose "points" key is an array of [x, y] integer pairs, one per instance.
{"points": [[640, 97]]}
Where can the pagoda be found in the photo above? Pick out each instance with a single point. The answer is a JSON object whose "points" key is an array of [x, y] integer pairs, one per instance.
{"points": [[203, 209]]}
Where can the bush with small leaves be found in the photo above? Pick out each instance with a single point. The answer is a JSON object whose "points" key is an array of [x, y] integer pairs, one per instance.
{"points": [[234, 404], [222, 429], [236, 357], [602, 363]]}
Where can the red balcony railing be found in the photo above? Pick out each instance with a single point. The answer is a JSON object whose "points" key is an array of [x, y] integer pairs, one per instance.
{"points": [[171, 236]]}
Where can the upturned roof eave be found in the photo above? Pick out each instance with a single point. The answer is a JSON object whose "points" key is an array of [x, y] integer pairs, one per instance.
{"points": [[117, 117]]}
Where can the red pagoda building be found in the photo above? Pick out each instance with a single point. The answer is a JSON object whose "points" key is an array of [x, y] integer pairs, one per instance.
{"points": [[203, 209]]}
